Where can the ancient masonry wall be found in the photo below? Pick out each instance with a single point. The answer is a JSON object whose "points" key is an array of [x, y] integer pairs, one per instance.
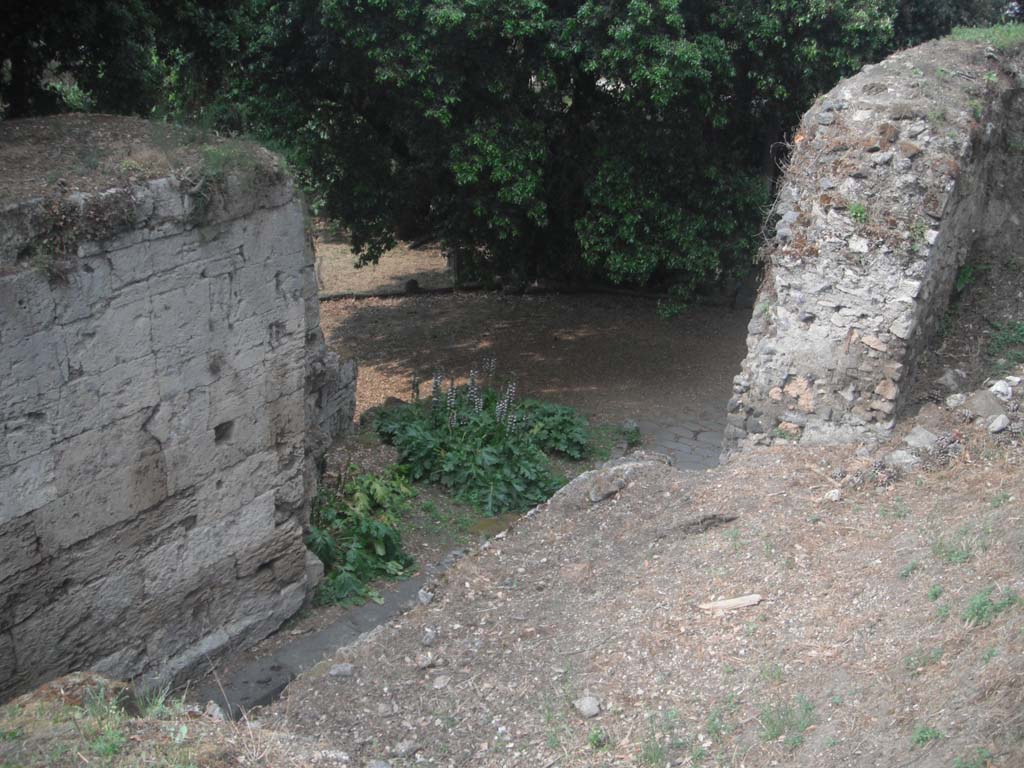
{"points": [[163, 403], [898, 174]]}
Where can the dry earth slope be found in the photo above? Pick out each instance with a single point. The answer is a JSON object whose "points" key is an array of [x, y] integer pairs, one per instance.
{"points": [[877, 642]]}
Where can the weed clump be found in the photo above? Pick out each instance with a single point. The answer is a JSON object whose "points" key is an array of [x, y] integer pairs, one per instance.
{"points": [[354, 532], [982, 609], [787, 721]]}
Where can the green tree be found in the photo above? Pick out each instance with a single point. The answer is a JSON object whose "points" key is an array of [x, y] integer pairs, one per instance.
{"points": [[104, 46], [619, 139], [920, 20]]}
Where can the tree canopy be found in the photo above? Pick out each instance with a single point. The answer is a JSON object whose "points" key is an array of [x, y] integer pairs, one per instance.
{"points": [[622, 140]]}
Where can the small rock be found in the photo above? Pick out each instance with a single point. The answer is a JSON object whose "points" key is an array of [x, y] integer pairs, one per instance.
{"points": [[378, 764], [874, 343], [859, 245], [425, 596], [955, 401], [424, 660], [826, 118], [342, 670], [984, 403], [887, 388], [406, 748], [429, 637], [441, 682], [1014, 381], [1002, 390], [214, 711], [953, 379], [901, 459], [588, 706], [834, 495], [602, 487], [882, 158], [629, 425], [998, 424], [921, 438]]}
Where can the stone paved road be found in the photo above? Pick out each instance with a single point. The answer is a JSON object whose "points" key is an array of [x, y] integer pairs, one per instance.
{"points": [[693, 442]]}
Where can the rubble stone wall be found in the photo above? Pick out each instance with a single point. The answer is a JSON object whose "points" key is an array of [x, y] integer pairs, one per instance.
{"points": [[897, 176], [163, 403]]}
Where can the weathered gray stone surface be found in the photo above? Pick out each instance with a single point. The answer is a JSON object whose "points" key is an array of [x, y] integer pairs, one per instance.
{"points": [[162, 410], [898, 174]]}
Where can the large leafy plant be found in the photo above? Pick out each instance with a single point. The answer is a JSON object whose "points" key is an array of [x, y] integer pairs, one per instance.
{"points": [[490, 449], [354, 531]]}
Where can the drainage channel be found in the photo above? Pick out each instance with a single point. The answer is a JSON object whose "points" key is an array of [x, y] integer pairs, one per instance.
{"points": [[260, 681]]}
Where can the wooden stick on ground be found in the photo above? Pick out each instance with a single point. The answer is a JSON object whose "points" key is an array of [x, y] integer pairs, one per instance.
{"points": [[732, 603]]}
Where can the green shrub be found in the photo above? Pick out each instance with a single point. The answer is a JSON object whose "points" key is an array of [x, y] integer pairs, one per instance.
{"points": [[354, 532], [488, 448]]}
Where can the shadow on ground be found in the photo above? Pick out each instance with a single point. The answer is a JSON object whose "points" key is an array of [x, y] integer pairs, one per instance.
{"points": [[611, 357]]}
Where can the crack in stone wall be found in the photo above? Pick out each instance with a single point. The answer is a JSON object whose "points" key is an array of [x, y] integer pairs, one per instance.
{"points": [[162, 412], [897, 175]]}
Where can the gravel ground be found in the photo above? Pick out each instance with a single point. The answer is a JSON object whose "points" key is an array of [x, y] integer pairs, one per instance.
{"points": [[857, 655]]}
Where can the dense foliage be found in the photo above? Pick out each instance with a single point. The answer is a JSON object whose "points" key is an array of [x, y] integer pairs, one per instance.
{"points": [[488, 448], [624, 140], [354, 532]]}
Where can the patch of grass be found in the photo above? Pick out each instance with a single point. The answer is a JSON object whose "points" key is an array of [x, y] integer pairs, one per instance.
{"points": [[715, 725], [977, 759], [598, 738], [1000, 36], [898, 510], [783, 434], [652, 752], [918, 660], [909, 569], [158, 704], [989, 654], [934, 592], [955, 552], [942, 612], [1000, 499], [108, 742], [982, 609], [859, 212], [787, 721], [733, 535], [11, 735], [772, 672], [1007, 343], [923, 734]]}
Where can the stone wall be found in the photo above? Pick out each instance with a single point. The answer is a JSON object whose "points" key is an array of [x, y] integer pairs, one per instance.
{"points": [[165, 394], [897, 175]]}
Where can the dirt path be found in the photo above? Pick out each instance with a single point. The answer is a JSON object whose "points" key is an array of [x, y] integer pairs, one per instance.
{"points": [[337, 272], [612, 357]]}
